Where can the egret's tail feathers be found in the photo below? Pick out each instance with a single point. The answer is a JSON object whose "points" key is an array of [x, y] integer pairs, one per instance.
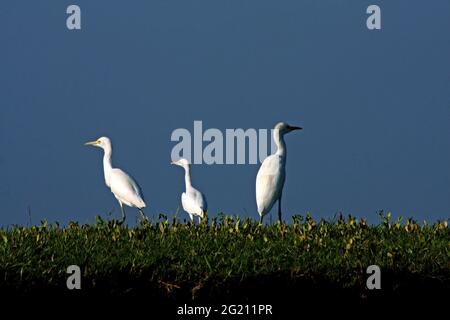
{"points": [[141, 204]]}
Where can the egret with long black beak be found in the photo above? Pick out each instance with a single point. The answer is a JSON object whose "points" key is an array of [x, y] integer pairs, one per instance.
{"points": [[124, 187], [271, 175], [192, 200]]}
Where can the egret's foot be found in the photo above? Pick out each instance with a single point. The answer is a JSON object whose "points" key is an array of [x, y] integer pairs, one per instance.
{"points": [[143, 220], [114, 222]]}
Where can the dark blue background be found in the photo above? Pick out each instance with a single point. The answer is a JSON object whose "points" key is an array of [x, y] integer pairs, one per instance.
{"points": [[375, 105]]}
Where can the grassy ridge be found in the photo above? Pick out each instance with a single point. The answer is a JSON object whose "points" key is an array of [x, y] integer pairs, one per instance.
{"points": [[228, 257]]}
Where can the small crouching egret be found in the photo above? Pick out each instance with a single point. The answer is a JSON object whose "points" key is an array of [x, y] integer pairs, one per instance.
{"points": [[124, 187], [193, 201], [271, 175]]}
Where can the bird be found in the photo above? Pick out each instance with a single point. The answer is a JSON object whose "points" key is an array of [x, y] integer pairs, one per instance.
{"points": [[272, 173], [192, 200], [125, 189]]}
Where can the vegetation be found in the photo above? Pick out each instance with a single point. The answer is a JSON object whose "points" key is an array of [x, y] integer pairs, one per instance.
{"points": [[227, 258]]}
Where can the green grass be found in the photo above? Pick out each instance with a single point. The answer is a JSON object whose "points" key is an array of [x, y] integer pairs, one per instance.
{"points": [[169, 258]]}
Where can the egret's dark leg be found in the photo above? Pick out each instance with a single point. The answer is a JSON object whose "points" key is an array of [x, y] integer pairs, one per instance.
{"points": [[122, 210], [261, 219], [279, 209]]}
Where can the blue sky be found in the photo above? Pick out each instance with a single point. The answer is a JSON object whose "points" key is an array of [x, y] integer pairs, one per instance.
{"points": [[375, 105]]}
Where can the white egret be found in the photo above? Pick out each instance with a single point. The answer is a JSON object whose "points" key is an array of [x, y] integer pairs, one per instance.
{"points": [[271, 175], [124, 187], [193, 201]]}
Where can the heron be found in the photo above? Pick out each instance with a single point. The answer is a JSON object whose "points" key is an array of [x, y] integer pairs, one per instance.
{"points": [[123, 186], [272, 173], [192, 200]]}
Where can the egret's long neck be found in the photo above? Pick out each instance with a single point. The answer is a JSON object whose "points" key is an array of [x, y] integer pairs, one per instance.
{"points": [[107, 164], [187, 177], [279, 141]]}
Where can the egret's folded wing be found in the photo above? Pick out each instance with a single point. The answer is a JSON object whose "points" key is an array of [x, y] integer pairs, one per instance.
{"points": [[189, 204], [126, 189], [199, 198], [269, 184]]}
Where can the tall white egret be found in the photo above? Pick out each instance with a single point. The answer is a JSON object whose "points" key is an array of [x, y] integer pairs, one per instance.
{"points": [[193, 201], [271, 175], [124, 187]]}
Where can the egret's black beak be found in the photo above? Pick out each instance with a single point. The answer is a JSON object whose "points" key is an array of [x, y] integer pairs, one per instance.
{"points": [[292, 128]]}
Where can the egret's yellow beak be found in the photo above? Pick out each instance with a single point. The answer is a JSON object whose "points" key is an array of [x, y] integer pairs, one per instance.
{"points": [[173, 162], [92, 143]]}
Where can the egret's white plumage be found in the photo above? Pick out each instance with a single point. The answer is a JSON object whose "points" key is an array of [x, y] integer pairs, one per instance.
{"points": [[192, 200], [271, 175], [124, 187]]}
